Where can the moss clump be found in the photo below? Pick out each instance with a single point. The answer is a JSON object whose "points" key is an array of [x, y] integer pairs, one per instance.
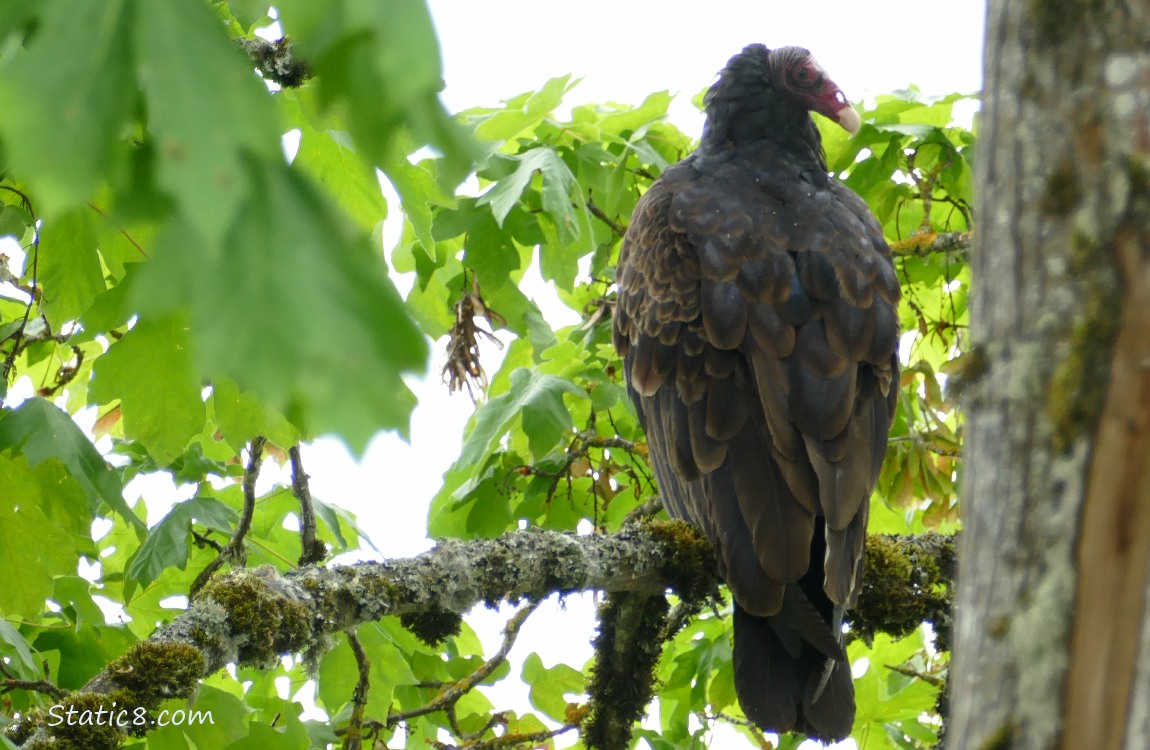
{"points": [[269, 622], [627, 650], [433, 628], [19, 731], [153, 672], [82, 721], [907, 582], [692, 565]]}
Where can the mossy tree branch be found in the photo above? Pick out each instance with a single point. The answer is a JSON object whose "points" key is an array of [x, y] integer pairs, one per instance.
{"points": [[952, 244], [251, 617]]}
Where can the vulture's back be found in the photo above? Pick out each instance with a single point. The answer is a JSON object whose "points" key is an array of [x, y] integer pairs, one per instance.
{"points": [[757, 319]]}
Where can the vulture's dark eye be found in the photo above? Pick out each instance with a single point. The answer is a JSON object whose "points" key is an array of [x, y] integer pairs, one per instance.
{"points": [[803, 77]]}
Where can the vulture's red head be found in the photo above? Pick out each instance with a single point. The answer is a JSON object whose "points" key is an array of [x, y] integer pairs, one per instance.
{"points": [[773, 90]]}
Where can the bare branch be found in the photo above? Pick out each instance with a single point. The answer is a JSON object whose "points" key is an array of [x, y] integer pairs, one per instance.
{"points": [[601, 215], [449, 697], [65, 374], [18, 338], [234, 551], [926, 444], [353, 740], [44, 686], [312, 550], [954, 244]]}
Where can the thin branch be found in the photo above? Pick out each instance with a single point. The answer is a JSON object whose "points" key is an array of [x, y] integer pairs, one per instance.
{"points": [[353, 740], [44, 686], [33, 296], [644, 511], [926, 445], [578, 449], [599, 214], [203, 540], [312, 550], [64, 374], [517, 740], [251, 474], [498, 717], [750, 726], [234, 550], [40, 686], [931, 679], [956, 244], [451, 695]]}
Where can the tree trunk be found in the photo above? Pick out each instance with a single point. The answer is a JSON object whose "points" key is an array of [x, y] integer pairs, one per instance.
{"points": [[1052, 634]]}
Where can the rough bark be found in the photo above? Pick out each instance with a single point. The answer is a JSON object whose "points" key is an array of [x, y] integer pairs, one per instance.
{"points": [[252, 616], [1051, 617]]}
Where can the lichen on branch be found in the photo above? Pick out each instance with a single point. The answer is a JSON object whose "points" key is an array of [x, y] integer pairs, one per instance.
{"points": [[251, 617]]}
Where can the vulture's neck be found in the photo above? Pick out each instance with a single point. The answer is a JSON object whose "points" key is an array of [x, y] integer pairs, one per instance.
{"points": [[747, 128]]}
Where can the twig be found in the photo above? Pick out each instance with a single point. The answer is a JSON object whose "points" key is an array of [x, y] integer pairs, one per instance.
{"points": [[926, 445], [923, 244], [645, 511], [251, 474], [924, 676], [451, 695], [750, 726], [234, 550], [599, 214], [577, 449], [499, 717], [18, 336], [516, 740], [203, 540], [64, 375], [312, 550], [353, 740], [45, 686]]}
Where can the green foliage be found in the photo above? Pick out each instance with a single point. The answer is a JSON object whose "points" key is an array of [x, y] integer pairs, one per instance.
{"points": [[188, 289]]}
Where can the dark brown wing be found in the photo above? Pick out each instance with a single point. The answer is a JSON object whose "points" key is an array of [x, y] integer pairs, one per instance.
{"points": [[756, 317]]}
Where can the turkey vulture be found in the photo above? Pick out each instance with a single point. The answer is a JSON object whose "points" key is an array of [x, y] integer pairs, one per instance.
{"points": [[757, 319]]}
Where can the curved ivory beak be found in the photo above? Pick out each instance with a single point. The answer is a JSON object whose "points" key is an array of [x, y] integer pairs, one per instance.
{"points": [[848, 118]]}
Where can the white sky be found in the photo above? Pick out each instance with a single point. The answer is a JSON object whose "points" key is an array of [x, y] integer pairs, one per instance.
{"points": [[495, 49]]}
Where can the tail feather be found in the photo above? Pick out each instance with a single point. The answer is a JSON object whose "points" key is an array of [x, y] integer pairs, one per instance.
{"points": [[791, 671], [782, 691]]}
